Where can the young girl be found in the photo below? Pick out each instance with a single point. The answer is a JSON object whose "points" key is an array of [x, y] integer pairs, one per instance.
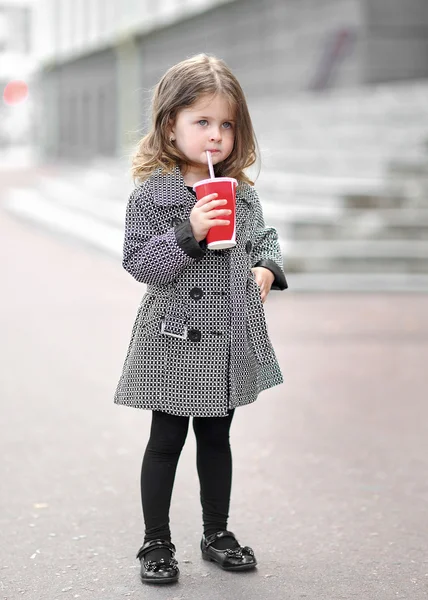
{"points": [[199, 346]]}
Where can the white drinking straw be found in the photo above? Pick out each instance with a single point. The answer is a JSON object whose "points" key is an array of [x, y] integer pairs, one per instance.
{"points": [[210, 164]]}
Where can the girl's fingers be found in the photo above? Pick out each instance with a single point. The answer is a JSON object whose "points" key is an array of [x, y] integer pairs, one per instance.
{"points": [[213, 204], [215, 222], [206, 199], [218, 213]]}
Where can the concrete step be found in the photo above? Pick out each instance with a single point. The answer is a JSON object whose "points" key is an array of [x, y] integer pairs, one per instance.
{"points": [[343, 282], [285, 184], [395, 102], [364, 256], [364, 132], [383, 200], [327, 163], [285, 194], [111, 180], [387, 224], [384, 144], [344, 131], [413, 169], [99, 202], [60, 218]]}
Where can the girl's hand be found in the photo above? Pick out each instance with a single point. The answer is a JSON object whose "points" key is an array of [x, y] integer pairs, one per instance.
{"points": [[264, 279], [205, 215]]}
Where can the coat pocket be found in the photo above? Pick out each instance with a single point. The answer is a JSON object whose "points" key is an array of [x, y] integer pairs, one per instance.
{"points": [[150, 315], [256, 324]]}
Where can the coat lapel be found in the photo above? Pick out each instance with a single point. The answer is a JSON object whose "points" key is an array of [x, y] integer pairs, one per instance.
{"points": [[243, 210], [169, 189]]}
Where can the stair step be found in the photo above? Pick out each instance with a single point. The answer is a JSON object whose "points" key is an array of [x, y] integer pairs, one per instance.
{"points": [[30, 205], [283, 183], [369, 230], [363, 282], [381, 256], [361, 248], [355, 264], [344, 131], [383, 224], [82, 199]]}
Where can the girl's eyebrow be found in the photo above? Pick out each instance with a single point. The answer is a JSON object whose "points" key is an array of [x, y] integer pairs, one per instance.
{"points": [[204, 117]]}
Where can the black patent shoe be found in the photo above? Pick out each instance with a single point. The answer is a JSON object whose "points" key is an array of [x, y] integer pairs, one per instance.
{"points": [[231, 559], [158, 571]]}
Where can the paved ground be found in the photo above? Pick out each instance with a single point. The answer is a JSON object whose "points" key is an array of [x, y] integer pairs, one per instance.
{"points": [[330, 469]]}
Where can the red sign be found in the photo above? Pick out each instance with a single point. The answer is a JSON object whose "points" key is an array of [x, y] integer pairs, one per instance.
{"points": [[15, 92]]}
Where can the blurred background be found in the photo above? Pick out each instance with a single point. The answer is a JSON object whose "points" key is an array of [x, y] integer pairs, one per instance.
{"points": [[338, 91]]}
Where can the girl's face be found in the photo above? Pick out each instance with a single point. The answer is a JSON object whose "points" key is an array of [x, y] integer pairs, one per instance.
{"points": [[209, 124]]}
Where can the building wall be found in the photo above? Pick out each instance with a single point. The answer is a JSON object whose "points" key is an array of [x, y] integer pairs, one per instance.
{"points": [[103, 58], [15, 41], [15, 28], [396, 40], [85, 91], [89, 77], [71, 28], [15, 64], [272, 45]]}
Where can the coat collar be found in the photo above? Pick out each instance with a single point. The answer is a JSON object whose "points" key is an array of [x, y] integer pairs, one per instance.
{"points": [[169, 189]]}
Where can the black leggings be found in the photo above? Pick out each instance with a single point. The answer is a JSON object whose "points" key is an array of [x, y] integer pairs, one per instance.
{"points": [[214, 463]]}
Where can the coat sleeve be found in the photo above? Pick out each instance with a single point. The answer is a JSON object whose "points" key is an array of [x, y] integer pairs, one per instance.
{"points": [[150, 256], [266, 251]]}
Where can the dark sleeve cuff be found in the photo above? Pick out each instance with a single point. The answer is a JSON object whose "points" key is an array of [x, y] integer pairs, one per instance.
{"points": [[280, 283], [186, 240]]}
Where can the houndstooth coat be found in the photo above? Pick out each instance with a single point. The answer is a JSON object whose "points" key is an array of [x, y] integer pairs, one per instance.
{"points": [[199, 345]]}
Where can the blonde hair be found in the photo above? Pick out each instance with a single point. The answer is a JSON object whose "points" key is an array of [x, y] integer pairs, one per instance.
{"points": [[180, 87]]}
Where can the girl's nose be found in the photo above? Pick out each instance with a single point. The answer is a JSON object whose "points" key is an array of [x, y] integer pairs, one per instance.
{"points": [[215, 135]]}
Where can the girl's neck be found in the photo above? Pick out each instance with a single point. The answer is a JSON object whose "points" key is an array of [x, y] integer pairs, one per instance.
{"points": [[192, 176]]}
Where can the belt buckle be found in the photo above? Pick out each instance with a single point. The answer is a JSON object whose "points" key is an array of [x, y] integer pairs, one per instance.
{"points": [[182, 336]]}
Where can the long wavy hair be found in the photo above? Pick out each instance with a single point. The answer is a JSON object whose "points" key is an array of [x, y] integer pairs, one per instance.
{"points": [[180, 87]]}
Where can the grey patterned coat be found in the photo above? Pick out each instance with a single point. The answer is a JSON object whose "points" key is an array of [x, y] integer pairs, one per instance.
{"points": [[199, 345]]}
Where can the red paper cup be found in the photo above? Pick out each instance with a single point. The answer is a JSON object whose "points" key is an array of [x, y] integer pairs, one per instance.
{"points": [[220, 236]]}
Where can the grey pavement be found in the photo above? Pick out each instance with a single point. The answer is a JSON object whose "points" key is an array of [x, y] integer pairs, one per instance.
{"points": [[330, 469]]}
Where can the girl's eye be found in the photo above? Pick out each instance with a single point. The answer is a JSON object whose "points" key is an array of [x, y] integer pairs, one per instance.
{"points": [[203, 122], [227, 125]]}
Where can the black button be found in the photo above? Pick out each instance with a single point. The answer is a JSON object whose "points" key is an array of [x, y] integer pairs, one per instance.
{"points": [[196, 293], [248, 247], [219, 293], [175, 221], [194, 335]]}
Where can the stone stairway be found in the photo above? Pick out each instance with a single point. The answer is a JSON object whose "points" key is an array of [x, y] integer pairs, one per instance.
{"points": [[345, 181]]}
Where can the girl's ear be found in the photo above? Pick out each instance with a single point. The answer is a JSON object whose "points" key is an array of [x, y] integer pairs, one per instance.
{"points": [[171, 131], [171, 128]]}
